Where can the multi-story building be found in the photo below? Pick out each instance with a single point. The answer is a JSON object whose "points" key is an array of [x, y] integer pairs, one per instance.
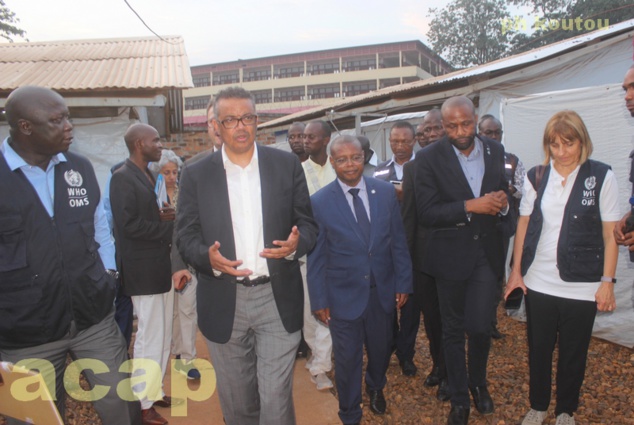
{"points": [[290, 83]]}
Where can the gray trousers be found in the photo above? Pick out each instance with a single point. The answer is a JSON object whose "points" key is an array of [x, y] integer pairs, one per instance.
{"points": [[254, 369], [103, 342]]}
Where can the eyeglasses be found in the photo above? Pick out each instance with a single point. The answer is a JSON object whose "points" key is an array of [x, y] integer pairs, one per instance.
{"points": [[355, 159], [232, 122], [294, 137]]}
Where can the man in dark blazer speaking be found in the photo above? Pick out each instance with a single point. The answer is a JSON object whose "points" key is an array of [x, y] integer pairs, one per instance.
{"points": [[244, 219], [358, 272], [461, 198]]}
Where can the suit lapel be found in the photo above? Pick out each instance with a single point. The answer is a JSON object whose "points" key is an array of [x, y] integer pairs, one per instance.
{"points": [[215, 203], [374, 207], [140, 175], [488, 168], [454, 168], [267, 170], [341, 202]]}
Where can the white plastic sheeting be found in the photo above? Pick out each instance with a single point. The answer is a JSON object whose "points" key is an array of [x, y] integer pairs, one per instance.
{"points": [[611, 129]]}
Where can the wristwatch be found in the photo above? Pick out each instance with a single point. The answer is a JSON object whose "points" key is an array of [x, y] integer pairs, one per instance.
{"points": [[608, 279], [113, 273]]}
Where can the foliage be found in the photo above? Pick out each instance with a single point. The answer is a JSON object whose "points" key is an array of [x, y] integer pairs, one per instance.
{"points": [[557, 20], [473, 32], [468, 32], [7, 21]]}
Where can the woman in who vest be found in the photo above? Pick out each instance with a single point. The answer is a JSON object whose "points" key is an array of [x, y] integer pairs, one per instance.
{"points": [[564, 261]]}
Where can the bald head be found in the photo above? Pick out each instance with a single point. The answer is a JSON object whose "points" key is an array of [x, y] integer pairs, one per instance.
{"points": [[39, 124], [457, 102], [345, 140], [30, 103], [459, 121], [431, 129]]}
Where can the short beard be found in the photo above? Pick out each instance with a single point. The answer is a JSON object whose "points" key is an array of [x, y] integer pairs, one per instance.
{"points": [[463, 148]]}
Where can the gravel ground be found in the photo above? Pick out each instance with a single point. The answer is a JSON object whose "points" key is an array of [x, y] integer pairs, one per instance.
{"points": [[607, 395]]}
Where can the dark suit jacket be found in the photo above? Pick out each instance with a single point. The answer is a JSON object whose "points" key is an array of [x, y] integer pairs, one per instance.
{"points": [[414, 229], [204, 216], [340, 265], [453, 241], [142, 240]]}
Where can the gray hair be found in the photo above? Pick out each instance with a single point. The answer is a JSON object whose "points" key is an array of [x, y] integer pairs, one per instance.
{"points": [[166, 156]]}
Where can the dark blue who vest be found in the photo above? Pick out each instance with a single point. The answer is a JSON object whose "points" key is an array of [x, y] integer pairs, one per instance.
{"points": [[580, 247], [50, 269]]}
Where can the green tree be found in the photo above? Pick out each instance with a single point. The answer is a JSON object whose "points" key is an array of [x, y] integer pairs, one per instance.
{"points": [[469, 32], [557, 20], [7, 21]]}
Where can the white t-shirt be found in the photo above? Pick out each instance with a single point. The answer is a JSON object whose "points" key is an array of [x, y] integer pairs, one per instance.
{"points": [[543, 275]]}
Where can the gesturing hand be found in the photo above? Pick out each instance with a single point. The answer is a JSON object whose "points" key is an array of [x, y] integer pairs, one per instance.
{"points": [[286, 247], [220, 263]]}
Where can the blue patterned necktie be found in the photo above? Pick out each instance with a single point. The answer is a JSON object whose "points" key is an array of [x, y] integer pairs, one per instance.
{"points": [[362, 215]]}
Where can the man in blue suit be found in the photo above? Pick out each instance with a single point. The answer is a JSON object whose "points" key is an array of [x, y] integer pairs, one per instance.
{"points": [[358, 272]]}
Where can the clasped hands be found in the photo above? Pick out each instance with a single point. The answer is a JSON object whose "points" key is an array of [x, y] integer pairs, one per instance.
{"points": [[284, 249], [491, 203]]}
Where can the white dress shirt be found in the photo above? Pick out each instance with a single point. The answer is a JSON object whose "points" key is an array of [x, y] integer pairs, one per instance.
{"points": [[363, 194], [245, 201]]}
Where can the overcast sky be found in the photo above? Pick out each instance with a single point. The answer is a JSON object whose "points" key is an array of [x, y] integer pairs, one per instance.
{"points": [[227, 30]]}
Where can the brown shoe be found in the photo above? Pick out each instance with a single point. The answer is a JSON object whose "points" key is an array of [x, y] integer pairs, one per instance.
{"points": [[152, 417], [168, 401]]}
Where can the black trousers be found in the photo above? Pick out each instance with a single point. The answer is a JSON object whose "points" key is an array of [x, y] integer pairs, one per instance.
{"points": [[466, 307], [550, 318], [405, 330], [373, 329], [426, 296]]}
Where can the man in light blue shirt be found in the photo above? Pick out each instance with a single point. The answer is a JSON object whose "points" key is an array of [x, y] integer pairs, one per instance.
{"points": [[57, 265]]}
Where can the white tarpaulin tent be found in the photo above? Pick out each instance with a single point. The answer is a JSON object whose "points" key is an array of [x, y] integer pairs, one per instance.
{"points": [[612, 131]]}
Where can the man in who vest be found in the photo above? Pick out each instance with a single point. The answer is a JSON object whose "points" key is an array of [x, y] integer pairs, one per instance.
{"points": [[57, 277]]}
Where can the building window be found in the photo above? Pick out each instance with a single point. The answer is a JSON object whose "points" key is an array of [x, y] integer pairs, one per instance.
{"points": [[389, 60], [290, 70], [230, 77], [389, 82], [256, 74], [358, 87], [262, 96], [201, 80], [359, 64], [323, 91], [198, 102], [289, 94], [323, 68], [411, 59]]}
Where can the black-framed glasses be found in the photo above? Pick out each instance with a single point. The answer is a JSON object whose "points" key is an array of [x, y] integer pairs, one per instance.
{"points": [[232, 122]]}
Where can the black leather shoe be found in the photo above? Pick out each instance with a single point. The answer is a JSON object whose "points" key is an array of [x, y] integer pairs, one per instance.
{"points": [[482, 399], [377, 401], [496, 334], [433, 378], [443, 393], [458, 415], [408, 367]]}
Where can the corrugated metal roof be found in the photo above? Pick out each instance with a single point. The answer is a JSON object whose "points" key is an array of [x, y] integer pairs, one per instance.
{"points": [[123, 63], [500, 65]]}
